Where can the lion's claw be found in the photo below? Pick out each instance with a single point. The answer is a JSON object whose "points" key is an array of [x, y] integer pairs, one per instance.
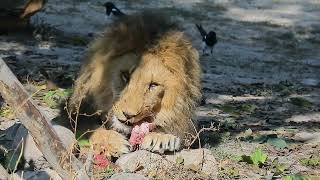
{"points": [[158, 142]]}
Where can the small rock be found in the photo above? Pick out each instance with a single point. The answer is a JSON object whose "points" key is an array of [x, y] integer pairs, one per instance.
{"points": [[297, 168], [43, 174], [201, 158], [310, 82], [197, 164], [310, 138], [312, 117], [66, 136], [130, 162], [125, 176], [33, 154]]}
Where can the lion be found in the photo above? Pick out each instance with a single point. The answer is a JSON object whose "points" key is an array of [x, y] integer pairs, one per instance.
{"points": [[142, 69]]}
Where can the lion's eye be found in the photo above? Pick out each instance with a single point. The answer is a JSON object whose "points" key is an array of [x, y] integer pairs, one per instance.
{"points": [[153, 85], [125, 76]]}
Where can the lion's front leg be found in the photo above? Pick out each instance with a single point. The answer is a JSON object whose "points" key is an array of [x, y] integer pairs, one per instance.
{"points": [[109, 143], [161, 142]]}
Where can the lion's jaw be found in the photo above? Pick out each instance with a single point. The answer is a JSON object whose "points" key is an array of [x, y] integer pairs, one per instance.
{"points": [[149, 108], [119, 126], [129, 112]]}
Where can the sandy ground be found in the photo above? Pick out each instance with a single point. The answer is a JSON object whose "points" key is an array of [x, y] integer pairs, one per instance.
{"points": [[267, 55]]}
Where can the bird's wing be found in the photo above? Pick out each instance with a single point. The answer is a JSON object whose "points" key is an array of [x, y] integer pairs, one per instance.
{"points": [[108, 11], [201, 30], [120, 12], [116, 11]]}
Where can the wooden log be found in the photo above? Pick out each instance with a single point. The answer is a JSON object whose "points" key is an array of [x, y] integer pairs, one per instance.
{"points": [[3, 173], [62, 161], [32, 7], [15, 14]]}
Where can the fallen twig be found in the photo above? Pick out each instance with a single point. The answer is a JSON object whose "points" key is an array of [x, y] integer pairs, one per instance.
{"points": [[21, 143], [197, 136]]}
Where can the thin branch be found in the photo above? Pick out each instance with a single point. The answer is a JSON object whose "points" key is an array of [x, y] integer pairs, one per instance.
{"points": [[20, 154], [90, 115], [197, 136]]}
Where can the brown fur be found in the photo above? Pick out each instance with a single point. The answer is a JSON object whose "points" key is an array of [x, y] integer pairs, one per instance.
{"points": [[164, 72]]}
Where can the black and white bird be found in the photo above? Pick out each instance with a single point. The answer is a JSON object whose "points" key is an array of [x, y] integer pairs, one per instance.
{"points": [[209, 39], [112, 9]]}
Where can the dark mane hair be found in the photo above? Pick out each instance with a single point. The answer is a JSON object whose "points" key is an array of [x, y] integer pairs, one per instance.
{"points": [[135, 32]]}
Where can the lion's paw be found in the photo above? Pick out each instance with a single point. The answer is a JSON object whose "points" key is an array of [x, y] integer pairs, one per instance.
{"points": [[159, 142], [109, 143]]}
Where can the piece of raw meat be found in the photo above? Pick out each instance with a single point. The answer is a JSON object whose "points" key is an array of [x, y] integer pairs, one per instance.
{"points": [[101, 161], [138, 133]]}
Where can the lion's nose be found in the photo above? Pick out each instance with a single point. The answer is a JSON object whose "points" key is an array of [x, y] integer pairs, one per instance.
{"points": [[128, 115]]}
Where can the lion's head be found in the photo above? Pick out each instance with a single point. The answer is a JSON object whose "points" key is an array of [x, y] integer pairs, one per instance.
{"points": [[163, 87], [146, 70]]}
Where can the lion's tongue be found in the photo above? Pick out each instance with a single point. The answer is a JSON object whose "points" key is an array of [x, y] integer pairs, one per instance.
{"points": [[139, 132]]}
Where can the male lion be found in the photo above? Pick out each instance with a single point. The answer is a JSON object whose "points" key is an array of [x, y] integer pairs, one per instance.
{"points": [[141, 69]]}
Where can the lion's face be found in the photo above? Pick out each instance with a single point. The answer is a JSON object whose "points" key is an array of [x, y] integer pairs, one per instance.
{"points": [[142, 97], [123, 68]]}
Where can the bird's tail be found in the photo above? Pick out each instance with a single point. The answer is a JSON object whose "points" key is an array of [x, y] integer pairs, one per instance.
{"points": [[121, 13], [201, 30]]}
